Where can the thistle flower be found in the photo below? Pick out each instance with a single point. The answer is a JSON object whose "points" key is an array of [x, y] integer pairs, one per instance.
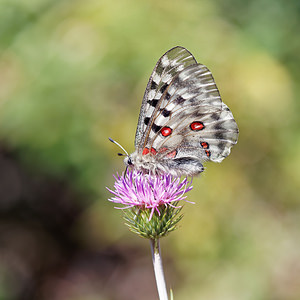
{"points": [[150, 201], [150, 209]]}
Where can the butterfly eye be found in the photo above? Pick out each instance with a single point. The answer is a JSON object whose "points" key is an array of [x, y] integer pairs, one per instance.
{"points": [[129, 161]]}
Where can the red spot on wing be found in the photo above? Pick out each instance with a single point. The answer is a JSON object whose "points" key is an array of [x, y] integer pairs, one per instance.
{"points": [[153, 151], [172, 154], [145, 151], [204, 145], [166, 131], [207, 153], [196, 126], [163, 149]]}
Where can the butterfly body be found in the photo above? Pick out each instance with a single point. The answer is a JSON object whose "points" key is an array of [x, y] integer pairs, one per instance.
{"points": [[176, 167], [183, 121]]}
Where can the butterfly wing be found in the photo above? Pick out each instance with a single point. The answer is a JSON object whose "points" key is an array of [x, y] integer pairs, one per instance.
{"points": [[189, 123], [198, 138], [168, 66]]}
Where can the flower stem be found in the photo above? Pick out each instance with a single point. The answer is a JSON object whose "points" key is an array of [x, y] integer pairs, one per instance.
{"points": [[158, 269]]}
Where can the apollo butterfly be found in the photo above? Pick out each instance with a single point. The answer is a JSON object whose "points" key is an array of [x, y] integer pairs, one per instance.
{"points": [[183, 121]]}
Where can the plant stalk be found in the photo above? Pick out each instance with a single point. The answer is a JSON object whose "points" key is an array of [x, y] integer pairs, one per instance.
{"points": [[158, 269]]}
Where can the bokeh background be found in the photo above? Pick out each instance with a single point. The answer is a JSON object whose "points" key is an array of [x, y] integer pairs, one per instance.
{"points": [[73, 73]]}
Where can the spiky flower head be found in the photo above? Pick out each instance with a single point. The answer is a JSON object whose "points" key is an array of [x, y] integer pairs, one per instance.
{"points": [[150, 201]]}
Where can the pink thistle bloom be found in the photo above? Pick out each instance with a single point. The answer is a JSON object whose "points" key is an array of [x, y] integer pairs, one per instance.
{"points": [[148, 191]]}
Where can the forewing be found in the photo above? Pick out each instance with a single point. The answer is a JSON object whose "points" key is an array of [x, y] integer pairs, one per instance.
{"points": [[168, 66]]}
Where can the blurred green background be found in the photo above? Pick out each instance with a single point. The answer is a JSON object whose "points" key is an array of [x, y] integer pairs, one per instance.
{"points": [[73, 73]]}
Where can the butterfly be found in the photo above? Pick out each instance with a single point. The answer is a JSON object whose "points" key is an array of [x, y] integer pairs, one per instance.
{"points": [[183, 121]]}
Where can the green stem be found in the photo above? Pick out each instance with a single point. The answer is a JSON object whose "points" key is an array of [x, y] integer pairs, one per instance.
{"points": [[158, 269]]}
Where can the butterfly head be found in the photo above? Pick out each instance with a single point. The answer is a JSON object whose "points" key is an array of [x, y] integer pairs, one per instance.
{"points": [[132, 160], [146, 163], [128, 161]]}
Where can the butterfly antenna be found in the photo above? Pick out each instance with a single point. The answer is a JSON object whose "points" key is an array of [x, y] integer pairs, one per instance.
{"points": [[120, 154]]}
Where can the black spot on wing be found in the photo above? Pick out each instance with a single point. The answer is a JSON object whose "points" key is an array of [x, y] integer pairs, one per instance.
{"points": [[215, 116], [163, 87], [218, 126], [155, 128], [168, 96], [153, 85], [220, 135], [159, 70], [222, 145], [153, 102], [179, 100], [146, 120], [166, 113]]}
